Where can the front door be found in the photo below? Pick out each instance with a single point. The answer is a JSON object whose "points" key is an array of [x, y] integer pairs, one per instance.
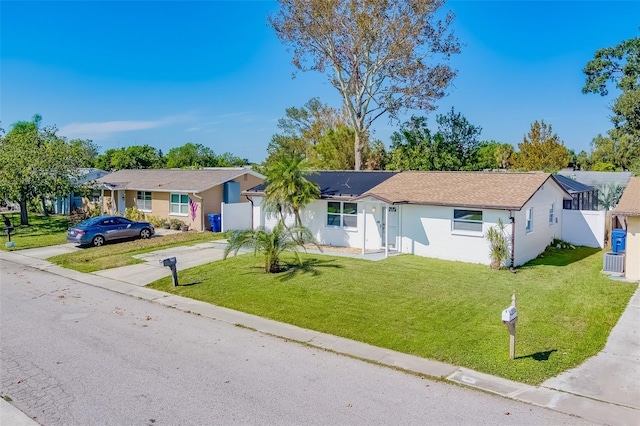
{"points": [[389, 224], [121, 201]]}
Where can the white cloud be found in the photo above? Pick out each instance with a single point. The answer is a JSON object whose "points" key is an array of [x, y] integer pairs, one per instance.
{"points": [[105, 129]]}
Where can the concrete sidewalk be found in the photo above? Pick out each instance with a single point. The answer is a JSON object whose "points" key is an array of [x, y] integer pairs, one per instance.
{"points": [[592, 394]]}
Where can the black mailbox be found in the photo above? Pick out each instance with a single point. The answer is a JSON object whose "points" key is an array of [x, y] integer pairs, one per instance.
{"points": [[170, 261]]}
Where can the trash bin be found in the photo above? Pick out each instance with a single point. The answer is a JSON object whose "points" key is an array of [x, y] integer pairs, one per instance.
{"points": [[215, 220], [618, 240]]}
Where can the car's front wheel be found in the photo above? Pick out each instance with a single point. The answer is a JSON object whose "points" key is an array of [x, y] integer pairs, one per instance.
{"points": [[145, 233], [98, 240]]}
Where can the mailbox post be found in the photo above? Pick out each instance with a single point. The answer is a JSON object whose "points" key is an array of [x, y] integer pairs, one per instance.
{"points": [[509, 318], [171, 263], [8, 228]]}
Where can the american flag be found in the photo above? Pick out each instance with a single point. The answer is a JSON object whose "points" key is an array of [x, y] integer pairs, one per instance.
{"points": [[193, 208]]}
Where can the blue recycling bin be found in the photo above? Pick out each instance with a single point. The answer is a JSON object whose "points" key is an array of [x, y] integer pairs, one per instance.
{"points": [[618, 240], [215, 220]]}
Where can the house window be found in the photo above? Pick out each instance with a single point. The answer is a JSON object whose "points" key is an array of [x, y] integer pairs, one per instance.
{"points": [[342, 214], [95, 196], [467, 220], [552, 213], [179, 204], [529, 227], [143, 201]]}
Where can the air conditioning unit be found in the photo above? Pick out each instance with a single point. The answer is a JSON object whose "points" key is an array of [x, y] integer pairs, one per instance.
{"points": [[613, 262]]}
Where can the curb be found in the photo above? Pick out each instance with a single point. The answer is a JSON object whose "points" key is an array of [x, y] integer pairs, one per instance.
{"points": [[568, 403], [10, 415]]}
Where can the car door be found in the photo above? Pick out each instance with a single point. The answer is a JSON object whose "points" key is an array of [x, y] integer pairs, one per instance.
{"points": [[109, 228], [125, 228]]}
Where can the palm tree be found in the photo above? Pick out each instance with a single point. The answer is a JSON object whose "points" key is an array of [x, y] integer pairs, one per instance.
{"points": [[288, 189], [271, 244], [609, 195]]}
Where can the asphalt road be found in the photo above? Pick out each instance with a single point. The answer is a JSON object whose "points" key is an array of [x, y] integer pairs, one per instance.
{"points": [[75, 354]]}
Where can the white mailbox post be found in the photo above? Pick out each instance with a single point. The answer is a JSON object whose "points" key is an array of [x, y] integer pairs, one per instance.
{"points": [[509, 318]]}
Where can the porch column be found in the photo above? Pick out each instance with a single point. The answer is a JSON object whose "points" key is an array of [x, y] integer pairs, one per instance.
{"points": [[386, 232], [364, 228]]}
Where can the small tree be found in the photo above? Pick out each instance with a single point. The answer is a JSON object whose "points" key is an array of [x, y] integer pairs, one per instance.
{"points": [[271, 244], [499, 244], [541, 149], [288, 189]]}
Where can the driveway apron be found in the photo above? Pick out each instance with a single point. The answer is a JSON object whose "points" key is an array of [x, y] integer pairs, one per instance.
{"points": [[614, 374]]}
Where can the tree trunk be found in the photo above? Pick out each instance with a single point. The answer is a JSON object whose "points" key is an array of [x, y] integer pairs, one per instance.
{"points": [[358, 151], [45, 212], [24, 217]]}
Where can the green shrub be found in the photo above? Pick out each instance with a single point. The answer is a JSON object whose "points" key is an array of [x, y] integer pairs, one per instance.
{"points": [[175, 223], [157, 222], [134, 214], [499, 245]]}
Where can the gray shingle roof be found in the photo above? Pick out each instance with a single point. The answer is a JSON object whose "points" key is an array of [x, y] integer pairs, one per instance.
{"points": [[167, 180]]}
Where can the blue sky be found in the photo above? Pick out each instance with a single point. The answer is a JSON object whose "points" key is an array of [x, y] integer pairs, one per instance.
{"points": [[212, 72]]}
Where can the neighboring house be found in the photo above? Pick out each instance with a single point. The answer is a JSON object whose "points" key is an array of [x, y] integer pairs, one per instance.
{"points": [[443, 215], [584, 197], [628, 211], [597, 179], [187, 195], [70, 202]]}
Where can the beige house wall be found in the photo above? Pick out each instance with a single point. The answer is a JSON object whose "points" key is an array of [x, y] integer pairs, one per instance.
{"points": [[632, 267], [208, 202]]}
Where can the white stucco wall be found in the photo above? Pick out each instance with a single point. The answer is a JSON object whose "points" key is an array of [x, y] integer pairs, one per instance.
{"points": [[428, 231], [529, 245]]}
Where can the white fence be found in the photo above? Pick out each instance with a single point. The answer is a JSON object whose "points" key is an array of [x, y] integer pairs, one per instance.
{"points": [[236, 216], [584, 227]]}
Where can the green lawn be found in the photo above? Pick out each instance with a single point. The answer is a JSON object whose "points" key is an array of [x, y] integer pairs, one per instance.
{"points": [[121, 254], [447, 311], [42, 231]]}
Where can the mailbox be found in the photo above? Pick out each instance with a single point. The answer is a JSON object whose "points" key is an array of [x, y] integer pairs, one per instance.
{"points": [[170, 261], [510, 314]]}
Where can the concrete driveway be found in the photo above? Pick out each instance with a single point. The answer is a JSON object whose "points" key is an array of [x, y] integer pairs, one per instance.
{"points": [[46, 252], [614, 374], [152, 269]]}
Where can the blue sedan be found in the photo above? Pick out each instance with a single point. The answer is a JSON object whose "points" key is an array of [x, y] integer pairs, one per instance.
{"points": [[98, 230]]}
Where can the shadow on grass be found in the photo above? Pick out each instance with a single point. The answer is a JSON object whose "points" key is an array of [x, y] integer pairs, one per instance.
{"points": [[539, 356], [308, 266], [188, 284], [561, 257]]}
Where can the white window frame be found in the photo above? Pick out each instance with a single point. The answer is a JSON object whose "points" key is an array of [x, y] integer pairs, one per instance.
{"points": [[95, 196], [529, 220], [180, 205], [342, 215], [141, 203], [467, 222], [552, 214]]}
